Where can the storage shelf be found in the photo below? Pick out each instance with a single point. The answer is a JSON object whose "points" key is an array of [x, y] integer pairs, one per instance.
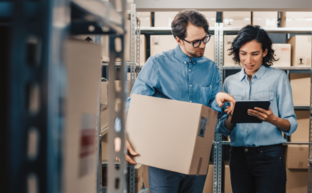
{"points": [[152, 30], [119, 64], [287, 143], [161, 30], [302, 107], [100, 14], [275, 30], [291, 68]]}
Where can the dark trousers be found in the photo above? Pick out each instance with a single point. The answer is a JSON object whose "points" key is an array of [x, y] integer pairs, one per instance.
{"points": [[258, 169], [164, 181]]}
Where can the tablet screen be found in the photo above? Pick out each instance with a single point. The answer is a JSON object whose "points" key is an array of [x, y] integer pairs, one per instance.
{"points": [[240, 114]]}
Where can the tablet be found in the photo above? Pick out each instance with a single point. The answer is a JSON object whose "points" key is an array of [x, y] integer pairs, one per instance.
{"points": [[240, 114]]}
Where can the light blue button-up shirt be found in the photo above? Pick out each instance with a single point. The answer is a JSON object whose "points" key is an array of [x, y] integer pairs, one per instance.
{"points": [[174, 75], [266, 84]]}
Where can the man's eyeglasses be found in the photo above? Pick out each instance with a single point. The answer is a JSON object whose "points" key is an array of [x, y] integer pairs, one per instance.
{"points": [[197, 43]]}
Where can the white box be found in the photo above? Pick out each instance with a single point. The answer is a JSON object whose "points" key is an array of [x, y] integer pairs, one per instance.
{"points": [[145, 19], [296, 19], [161, 43], [265, 19], [236, 19], [282, 53]]}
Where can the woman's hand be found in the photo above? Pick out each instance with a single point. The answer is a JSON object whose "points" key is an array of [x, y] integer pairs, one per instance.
{"points": [[262, 114]]}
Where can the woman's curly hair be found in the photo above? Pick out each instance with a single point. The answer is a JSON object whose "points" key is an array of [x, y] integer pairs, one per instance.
{"points": [[250, 33]]}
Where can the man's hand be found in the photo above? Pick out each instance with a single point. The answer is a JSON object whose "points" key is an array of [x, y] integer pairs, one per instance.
{"points": [[262, 114], [131, 152], [224, 97]]}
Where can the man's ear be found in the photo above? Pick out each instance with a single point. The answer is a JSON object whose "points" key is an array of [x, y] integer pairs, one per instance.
{"points": [[179, 41]]}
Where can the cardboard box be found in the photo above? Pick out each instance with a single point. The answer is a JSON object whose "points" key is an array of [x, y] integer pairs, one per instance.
{"points": [[297, 181], [297, 156], [163, 43], [227, 60], [208, 188], [300, 86], [265, 19], [227, 178], [164, 19], [301, 50], [186, 131], [142, 51], [145, 19], [81, 111], [302, 132], [236, 19], [282, 53], [296, 19], [104, 150]]}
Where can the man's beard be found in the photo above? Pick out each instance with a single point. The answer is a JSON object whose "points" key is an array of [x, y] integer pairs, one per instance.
{"points": [[197, 54]]}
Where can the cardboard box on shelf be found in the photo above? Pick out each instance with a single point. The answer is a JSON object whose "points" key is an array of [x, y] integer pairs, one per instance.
{"points": [[145, 19], [300, 84], [227, 178], [302, 132], [81, 110], [186, 132], [301, 50], [296, 19], [142, 51], [282, 53], [296, 181], [104, 148], [265, 19], [164, 19], [297, 156], [236, 19], [227, 60], [208, 188], [166, 42]]}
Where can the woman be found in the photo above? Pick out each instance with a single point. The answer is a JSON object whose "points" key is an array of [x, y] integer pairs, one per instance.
{"points": [[256, 156]]}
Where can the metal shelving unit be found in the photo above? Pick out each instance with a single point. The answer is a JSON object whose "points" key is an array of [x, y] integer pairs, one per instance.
{"points": [[35, 32]]}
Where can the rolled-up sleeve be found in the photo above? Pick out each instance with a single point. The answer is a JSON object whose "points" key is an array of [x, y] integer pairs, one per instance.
{"points": [[221, 127], [285, 103]]}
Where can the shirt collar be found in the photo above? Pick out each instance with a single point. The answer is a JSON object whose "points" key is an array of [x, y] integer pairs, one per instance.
{"points": [[258, 74], [183, 57]]}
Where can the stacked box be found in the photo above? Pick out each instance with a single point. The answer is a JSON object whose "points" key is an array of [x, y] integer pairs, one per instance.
{"points": [[302, 132], [227, 60], [236, 19], [296, 19], [301, 50], [265, 19], [208, 188], [282, 53], [300, 86]]}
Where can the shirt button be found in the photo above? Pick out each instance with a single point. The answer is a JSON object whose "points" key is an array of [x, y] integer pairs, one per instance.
{"points": [[184, 62], [190, 70], [190, 85], [246, 150]]}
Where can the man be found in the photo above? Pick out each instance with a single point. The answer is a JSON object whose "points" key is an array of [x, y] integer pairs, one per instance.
{"points": [[183, 74]]}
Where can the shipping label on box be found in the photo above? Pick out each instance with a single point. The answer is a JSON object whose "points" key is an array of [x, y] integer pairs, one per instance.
{"points": [[185, 142], [282, 52]]}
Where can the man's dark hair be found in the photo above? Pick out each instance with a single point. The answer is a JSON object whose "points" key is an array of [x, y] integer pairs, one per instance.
{"points": [[248, 34], [181, 20]]}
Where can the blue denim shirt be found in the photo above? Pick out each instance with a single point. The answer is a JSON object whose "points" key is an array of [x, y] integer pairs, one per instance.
{"points": [[266, 84], [174, 75]]}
